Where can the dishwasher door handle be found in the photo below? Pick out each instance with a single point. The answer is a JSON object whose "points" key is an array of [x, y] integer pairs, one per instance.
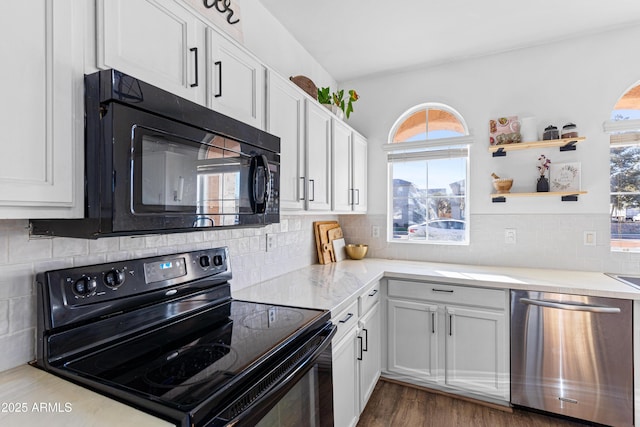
{"points": [[574, 307]]}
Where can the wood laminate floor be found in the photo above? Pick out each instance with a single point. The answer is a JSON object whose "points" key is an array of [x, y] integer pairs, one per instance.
{"points": [[394, 405]]}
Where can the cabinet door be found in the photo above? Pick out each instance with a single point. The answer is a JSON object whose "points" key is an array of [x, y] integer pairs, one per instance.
{"points": [[359, 173], [476, 351], [413, 339], [156, 41], [41, 167], [318, 144], [370, 347], [345, 380], [285, 119], [341, 190], [236, 81]]}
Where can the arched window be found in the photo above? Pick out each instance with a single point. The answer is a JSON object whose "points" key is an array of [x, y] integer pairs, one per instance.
{"points": [[624, 130], [428, 153]]}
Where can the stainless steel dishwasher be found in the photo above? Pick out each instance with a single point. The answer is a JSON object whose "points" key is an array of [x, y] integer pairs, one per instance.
{"points": [[573, 355]]}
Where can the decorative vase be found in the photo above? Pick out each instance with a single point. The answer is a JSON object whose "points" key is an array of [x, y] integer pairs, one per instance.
{"points": [[543, 185]]}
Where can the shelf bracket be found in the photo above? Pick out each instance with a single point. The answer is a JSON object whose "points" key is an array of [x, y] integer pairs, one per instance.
{"points": [[571, 198], [569, 146], [499, 153], [499, 199]]}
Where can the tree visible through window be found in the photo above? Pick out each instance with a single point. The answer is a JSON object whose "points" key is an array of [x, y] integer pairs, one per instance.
{"points": [[428, 162], [624, 128]]}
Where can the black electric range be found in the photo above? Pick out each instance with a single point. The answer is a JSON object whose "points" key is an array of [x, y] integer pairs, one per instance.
{"points": [[164, 335]]}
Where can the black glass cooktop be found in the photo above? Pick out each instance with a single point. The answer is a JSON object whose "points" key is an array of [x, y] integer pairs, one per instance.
{"points": [[196, 358]]}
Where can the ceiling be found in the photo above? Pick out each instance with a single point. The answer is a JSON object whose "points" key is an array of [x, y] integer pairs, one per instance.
{"points": [[357, 38]]}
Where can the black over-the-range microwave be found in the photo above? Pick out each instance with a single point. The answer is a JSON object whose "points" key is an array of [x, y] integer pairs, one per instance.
{"points": [[158, 163]]}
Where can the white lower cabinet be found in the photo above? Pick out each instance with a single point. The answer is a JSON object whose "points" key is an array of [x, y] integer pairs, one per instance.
{"points": [[346, 401], [413, 340], [369, 354], [457, 342], [477, 351], [356, 356]]}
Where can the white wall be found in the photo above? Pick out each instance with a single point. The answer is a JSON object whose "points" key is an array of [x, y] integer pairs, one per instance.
{"points": [[265, 37], [575, 80]]}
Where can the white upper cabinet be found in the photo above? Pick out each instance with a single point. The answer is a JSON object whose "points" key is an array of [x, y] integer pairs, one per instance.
{"points": [[156, 41], [41, 166], [342, 189], [285, 119], [318, 139], [359, 173], [236, 81]]}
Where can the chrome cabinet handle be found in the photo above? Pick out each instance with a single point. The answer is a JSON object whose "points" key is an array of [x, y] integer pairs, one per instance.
{"points": [[304, 189], [357, 190], [360, 339], [195, 54], [218, 64], [375, 291], [366, 340], [450, 324], [567, 306], [448, 291], [346, 319]]}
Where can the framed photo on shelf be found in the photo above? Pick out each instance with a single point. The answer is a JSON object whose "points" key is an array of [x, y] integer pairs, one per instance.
{"points": [[504, 130], [564, 176]]}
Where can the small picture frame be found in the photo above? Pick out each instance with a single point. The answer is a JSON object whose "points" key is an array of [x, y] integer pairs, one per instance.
{"points": [[564, 176], [504, 130]]}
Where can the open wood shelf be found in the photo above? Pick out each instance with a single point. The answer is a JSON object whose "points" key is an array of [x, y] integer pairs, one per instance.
{"points": [[565, 144], [566, 196]]}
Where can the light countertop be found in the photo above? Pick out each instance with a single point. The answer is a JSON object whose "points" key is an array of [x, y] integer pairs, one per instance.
{"points": [[31, 397], [334, 286]]}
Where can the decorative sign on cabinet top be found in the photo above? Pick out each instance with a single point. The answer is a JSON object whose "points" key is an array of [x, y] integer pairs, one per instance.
{"points": [[225, 14]]}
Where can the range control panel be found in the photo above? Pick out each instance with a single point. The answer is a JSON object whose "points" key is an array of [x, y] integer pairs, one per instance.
{"points": [[120, 284]]}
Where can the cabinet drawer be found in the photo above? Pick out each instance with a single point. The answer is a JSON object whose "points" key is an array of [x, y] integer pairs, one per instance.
{"points": [[345, 320], [367, 299], [430, 291]]}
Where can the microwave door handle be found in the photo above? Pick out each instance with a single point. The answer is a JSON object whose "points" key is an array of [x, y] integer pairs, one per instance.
{"points": [[568, 306], [260, 193]]}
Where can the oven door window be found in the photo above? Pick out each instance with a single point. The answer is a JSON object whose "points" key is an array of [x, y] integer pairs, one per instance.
{"points": [[299, 407], [200, 176]]}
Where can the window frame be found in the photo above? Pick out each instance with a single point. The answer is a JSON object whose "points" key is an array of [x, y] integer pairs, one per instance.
{"points": [[421, 148]]}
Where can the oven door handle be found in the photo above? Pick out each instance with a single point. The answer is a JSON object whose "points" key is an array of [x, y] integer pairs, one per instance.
{"points": [[238, 414], [574, 307]]}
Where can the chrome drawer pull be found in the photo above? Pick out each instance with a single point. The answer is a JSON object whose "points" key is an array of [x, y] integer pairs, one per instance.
{"points": [[375, 291], [449, 291]]}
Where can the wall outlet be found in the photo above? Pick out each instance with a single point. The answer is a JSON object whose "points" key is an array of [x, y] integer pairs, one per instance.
{"points": [[375, 231], [271, 242], [589, 238], [510, 236]]}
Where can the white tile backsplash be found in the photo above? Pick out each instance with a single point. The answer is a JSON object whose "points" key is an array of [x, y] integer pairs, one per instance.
{"points": [[543, 241], [22, 256]]}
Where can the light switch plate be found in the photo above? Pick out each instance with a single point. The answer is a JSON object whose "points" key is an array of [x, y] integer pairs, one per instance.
{"points": [[589, 238], [510, 236]]}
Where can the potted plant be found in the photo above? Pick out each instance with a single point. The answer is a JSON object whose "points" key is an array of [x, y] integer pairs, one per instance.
{"points": [[335, 101]]}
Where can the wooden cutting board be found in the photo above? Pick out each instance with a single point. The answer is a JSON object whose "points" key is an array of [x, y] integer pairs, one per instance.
{"points": [[333, 234], [327, 248], [322, 238]]}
